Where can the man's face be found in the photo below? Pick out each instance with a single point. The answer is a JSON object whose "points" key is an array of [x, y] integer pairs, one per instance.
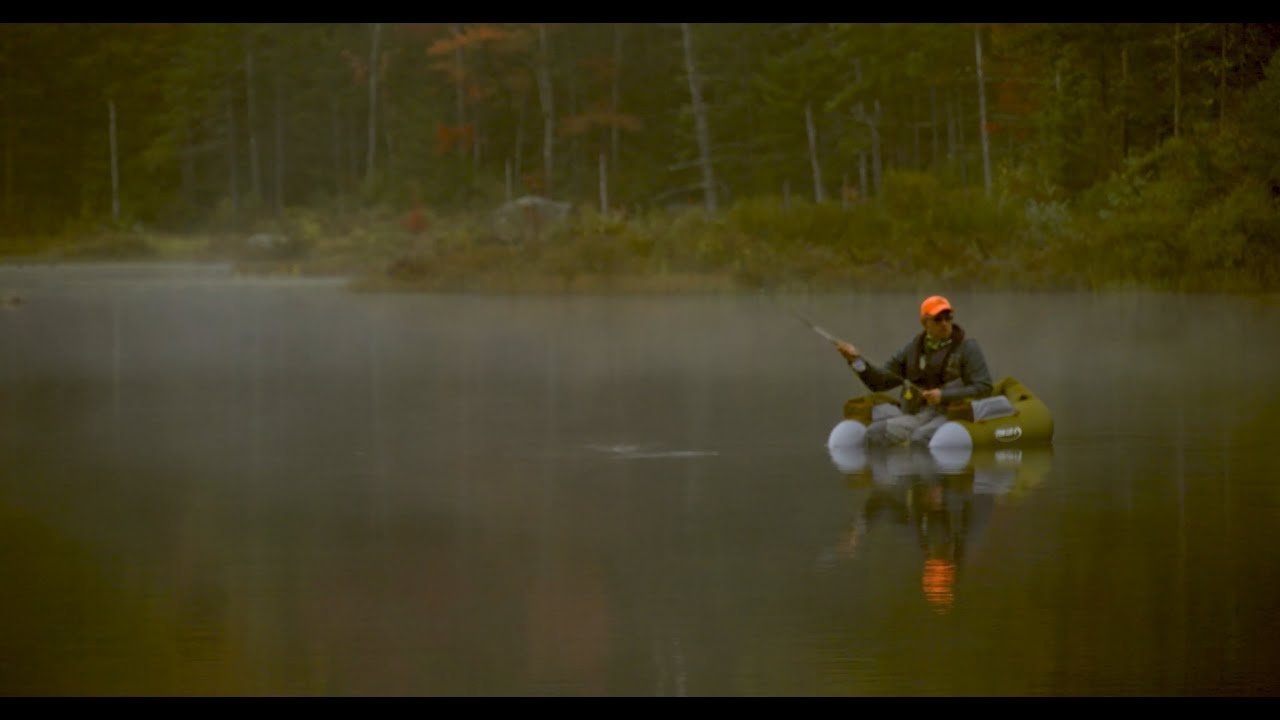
{"points": [[938, 326]]}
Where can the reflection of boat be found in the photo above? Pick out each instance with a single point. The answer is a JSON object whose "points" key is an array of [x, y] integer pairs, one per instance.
{"points": [[995, 471], [944, 496], [1011, 416]]}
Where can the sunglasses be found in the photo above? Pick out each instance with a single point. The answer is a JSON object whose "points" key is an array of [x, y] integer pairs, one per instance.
{"points": [[943, 317]]}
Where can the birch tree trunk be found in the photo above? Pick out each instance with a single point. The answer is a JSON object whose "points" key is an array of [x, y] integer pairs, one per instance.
{"points": [[517, 160], [873, 127], [575, 163], [9, 135], [877, 165], [279, 154], [352, 133], [862, 175], [614, 132], [373, 103], [700, 122], [339, 174], [547, 101], [251, 107], [915, 131], [8, 167], [234, 188], [951, 132], [115, 164], [934, 124], [477, 141], [604, 186], [1177, 77], [963, 153], [819, 193], [188, 167], [1124, 101], [460, 95], [1222, 80], [982, 114]]}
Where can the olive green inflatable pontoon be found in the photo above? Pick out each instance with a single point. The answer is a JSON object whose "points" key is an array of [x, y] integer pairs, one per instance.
{"points": [[1011, 416]]}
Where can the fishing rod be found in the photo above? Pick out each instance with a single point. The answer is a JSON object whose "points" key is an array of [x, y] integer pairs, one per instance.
{"points": [[816, 328], [836, 341]]}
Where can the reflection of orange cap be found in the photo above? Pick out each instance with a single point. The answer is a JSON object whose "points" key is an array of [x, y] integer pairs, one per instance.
{"points": [[933, 305], [938, 580]]}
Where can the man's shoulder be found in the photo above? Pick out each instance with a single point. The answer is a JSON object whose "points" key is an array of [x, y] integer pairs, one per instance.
{"points": [[970, 345]]}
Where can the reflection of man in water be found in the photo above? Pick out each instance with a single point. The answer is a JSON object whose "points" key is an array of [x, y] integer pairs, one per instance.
{"points": [[941, 517], [910, 488]]}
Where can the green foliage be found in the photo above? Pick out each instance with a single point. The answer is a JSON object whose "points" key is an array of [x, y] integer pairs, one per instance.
{"points": [[1092, 185], [1235, 240], [1261, 125], [111, 246]]}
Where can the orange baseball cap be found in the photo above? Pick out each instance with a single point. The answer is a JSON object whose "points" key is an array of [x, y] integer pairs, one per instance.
{"points": [[933, 305]]}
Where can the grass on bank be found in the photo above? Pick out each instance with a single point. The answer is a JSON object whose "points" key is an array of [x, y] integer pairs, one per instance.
{"points": [[1167, 222]]}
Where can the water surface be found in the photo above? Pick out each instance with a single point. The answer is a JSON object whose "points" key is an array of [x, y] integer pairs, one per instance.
{"points": [[219, 485]]}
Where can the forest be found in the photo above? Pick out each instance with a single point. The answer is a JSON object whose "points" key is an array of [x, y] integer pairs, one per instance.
{"points": [[642, 156]]}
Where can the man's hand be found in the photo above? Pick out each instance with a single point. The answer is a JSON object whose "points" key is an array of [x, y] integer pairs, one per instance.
{"points": [[933, 397], [849, 352]]}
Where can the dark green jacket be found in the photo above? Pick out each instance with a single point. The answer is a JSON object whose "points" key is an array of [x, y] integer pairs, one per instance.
{"points": [[959, 368]]}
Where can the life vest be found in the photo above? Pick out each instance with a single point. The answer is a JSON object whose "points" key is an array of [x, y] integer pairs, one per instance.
{"points": [[929, 370]]}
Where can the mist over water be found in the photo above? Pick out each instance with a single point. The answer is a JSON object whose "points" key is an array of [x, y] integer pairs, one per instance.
{"points": [[212, 484]]}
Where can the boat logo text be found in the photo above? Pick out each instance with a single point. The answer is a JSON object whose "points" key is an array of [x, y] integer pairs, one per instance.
{"points": [[1009, 434]]}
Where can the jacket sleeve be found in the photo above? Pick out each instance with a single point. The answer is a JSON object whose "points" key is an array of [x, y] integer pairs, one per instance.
{"points": [[975, 378], [889, 375]]}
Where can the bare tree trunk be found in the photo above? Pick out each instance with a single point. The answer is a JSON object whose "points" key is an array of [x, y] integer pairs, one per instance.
{"points": [[1177, 77], [1222, 80], [388, 138], [614, 132], [1124, 101], [339, 174], [8, 168], [915, 131], [115, 163], [9, 150], [251, 107], [982, 114], [873, 127], [877, 166], [819, 192], [933, 125], [188, 166], [862, 175], [951, 131], [231, 157], [460, 88], [963, 153], [477, 141], [547, 101], [352, 145], [604, 187], [279, 155], [373, 102], [517, 161], [700, 122], [575, 162]]}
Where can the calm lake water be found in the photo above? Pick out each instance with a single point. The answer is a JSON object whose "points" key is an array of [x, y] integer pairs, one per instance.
{"points": [[212, 485]]}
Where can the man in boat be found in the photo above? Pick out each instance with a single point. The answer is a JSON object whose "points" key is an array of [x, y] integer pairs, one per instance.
{"points": [[938, 367]]}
